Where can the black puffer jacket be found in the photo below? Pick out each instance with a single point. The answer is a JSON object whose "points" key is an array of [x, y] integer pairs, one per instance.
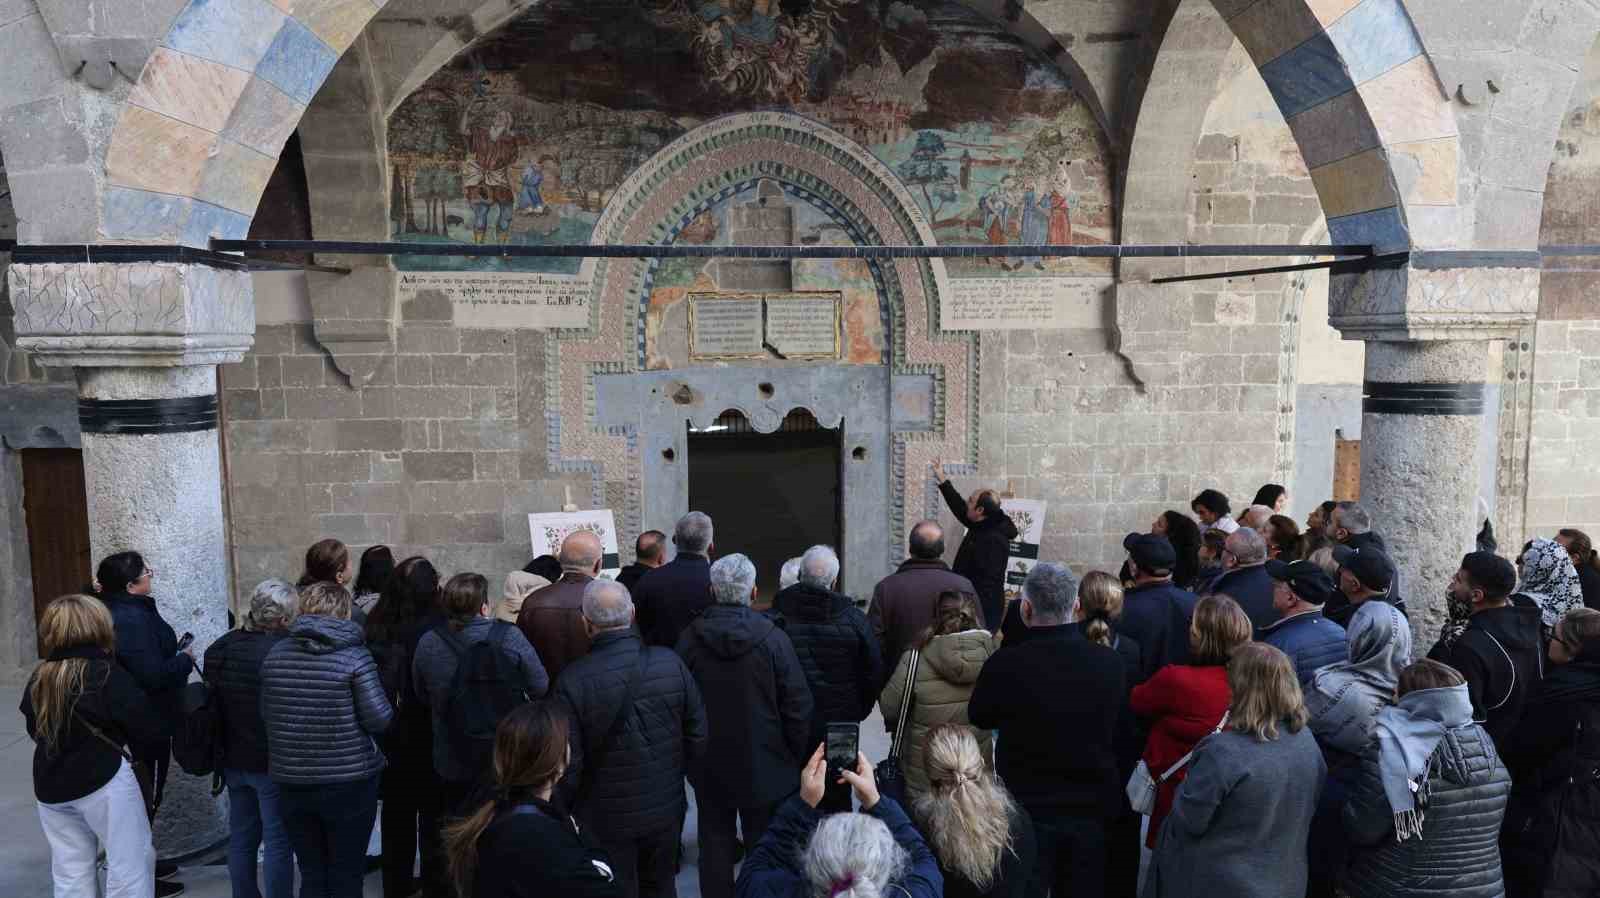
{"points": [[758, 706], [1458, 854], [233, 673], [639, 789], [836, 649], [1552, 844], [322, 702]]}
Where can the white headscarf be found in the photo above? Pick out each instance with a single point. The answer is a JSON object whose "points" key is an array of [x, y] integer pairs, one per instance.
{"points": [[1550, 580]]}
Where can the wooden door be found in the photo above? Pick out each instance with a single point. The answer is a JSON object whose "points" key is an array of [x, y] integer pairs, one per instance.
{"points": [[57, 512]]}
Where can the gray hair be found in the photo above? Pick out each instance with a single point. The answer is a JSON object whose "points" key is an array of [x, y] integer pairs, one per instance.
{"points": [[607, 605], [1247, 546], [272, 606], [855, 848], [733, 578], [693, 533], [1353, 517], [790, 575], [819, 567], [1052, 591], [1255, 517]]}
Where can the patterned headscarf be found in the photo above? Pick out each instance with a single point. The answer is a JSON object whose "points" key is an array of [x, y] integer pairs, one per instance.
{"points": [[1550, 580], [1460, 611]]}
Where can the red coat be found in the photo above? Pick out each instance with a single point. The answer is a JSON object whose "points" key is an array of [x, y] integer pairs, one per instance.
{"points": [[1182, 704]]}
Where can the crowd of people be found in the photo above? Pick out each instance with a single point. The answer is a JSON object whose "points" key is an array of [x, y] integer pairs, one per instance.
{"points": [[1238, 710]]}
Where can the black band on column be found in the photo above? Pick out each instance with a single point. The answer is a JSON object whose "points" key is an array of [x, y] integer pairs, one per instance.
{"points": [[1422, 399], [134, 416]]}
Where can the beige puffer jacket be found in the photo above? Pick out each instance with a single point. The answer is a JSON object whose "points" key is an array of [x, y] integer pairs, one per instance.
{"points": [[945, 678]]}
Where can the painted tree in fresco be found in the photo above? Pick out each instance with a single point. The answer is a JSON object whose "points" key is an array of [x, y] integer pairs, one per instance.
{"points": [[424, 150], [929, 172]]}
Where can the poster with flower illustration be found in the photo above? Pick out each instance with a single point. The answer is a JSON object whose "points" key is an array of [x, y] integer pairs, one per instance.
{"points": [[1028, 515], [550, 528]]}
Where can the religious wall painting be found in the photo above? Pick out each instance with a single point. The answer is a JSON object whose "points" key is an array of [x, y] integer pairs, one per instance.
{"points": [[525, 137]]}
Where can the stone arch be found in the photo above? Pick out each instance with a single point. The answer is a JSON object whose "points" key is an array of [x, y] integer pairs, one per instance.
{"points": [[1356, 86], [202, 128], [656, 198]]}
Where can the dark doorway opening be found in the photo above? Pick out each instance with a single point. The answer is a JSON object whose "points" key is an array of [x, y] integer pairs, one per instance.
{"points": [[56, 508], [770, 495]]}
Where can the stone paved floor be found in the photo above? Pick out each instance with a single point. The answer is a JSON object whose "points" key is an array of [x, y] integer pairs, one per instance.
{"points": [[26, 874]]}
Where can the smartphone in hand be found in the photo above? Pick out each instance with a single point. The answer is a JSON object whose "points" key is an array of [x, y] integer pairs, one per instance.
{"points": [[185, 641], [843, 743]]}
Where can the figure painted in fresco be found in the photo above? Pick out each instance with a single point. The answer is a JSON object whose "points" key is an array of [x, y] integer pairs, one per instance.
{"points": [[751, 48], [1035, 219], [996, 207], [530, 200], [488, 169], [1061, 205]]}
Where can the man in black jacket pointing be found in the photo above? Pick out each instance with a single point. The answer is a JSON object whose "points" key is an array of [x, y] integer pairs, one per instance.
{"points": [[985, 548]]}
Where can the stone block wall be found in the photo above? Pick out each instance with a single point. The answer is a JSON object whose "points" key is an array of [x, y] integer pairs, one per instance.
{"points": [[442, 452]]}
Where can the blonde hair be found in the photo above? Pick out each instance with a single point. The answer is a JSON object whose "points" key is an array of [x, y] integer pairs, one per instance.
{"points": [[1266, 693], [965, 813], [1100, 604], [327, 598], [1219, 628], [72, 621]]}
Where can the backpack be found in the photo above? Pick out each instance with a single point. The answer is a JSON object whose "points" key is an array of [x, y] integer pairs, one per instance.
{"points": [[484, 690], [197, 744]]}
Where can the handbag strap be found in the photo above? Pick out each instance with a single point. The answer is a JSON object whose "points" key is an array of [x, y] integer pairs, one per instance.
{"points": [[905, 702], [98, 734], [592, 763], [1171, 771]]}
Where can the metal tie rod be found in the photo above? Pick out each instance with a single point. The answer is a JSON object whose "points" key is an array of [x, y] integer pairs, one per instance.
{"points": [[679, 251]]}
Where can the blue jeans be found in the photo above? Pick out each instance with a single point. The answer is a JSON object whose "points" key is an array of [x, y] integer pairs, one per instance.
{"points": [[330, 826], [254, 818]]}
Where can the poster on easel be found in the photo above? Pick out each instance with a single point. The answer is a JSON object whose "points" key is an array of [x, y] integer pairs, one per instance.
{"points": [[550, 528], [1023, 553]]}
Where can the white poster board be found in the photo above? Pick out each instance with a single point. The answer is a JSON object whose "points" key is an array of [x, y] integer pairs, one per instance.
{"points": [[1028, 515], [550, 528]]}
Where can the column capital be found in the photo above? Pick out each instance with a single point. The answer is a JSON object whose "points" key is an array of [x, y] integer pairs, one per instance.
{"points": [[133, 313], [1428, 296]]}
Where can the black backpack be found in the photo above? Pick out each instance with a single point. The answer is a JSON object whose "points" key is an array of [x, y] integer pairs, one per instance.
{"points": [[483, 691], [197, 744]]}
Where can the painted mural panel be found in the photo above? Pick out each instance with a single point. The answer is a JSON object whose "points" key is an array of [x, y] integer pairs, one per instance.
{"points": [[524, 138]]}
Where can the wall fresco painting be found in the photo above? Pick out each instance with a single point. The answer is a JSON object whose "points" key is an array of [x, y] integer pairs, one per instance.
{"points": [[524, 137]]}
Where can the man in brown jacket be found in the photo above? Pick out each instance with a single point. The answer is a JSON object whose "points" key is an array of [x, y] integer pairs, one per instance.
{"points": [[552, 617], [903, 603]]}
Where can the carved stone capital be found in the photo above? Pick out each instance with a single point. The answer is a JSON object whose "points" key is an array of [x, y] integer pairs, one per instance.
{"points": [[1411, 300], [141, 314]]}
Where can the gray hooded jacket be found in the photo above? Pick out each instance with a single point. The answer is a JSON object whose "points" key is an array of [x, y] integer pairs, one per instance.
{"points": [[322, 703], [1344, 699]]}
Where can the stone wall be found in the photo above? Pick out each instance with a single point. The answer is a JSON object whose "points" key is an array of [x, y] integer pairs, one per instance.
{"points": [[442, 452]]}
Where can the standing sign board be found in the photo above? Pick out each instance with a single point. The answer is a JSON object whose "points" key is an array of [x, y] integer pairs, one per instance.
{"points": [[548, 530], [1023, 554]]}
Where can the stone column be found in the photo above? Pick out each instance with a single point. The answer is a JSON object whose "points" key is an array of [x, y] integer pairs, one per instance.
{"points": [[1420, 432], [1428, 319], [145, 338]]}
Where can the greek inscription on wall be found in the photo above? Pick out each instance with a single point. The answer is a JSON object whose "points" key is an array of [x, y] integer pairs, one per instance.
{"points": [[1016, 303], [803, 326], [504, 300], [725, 327]]}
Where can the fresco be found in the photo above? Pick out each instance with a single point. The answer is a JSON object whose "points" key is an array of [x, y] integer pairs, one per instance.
{"points": [[523, 138]]}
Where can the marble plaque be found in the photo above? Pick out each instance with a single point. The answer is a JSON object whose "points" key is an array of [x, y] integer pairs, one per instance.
{"points": [[725, 326], [1023, 303], [803, 325], [503, 300]]}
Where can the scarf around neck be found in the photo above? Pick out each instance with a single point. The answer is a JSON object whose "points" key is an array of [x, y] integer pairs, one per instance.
{"points": [[1407, 735], [1550, 580]]}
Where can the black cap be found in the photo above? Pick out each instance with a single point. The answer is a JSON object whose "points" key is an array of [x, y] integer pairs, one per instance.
{"points": [[1491, 573], [1370, 566], [1309, 582], [1150, 551]]}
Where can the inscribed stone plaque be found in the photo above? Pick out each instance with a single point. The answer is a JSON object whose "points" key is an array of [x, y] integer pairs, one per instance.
{"points": [[1022, 303], [725, 327], [803, 325], [503, 300]]}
